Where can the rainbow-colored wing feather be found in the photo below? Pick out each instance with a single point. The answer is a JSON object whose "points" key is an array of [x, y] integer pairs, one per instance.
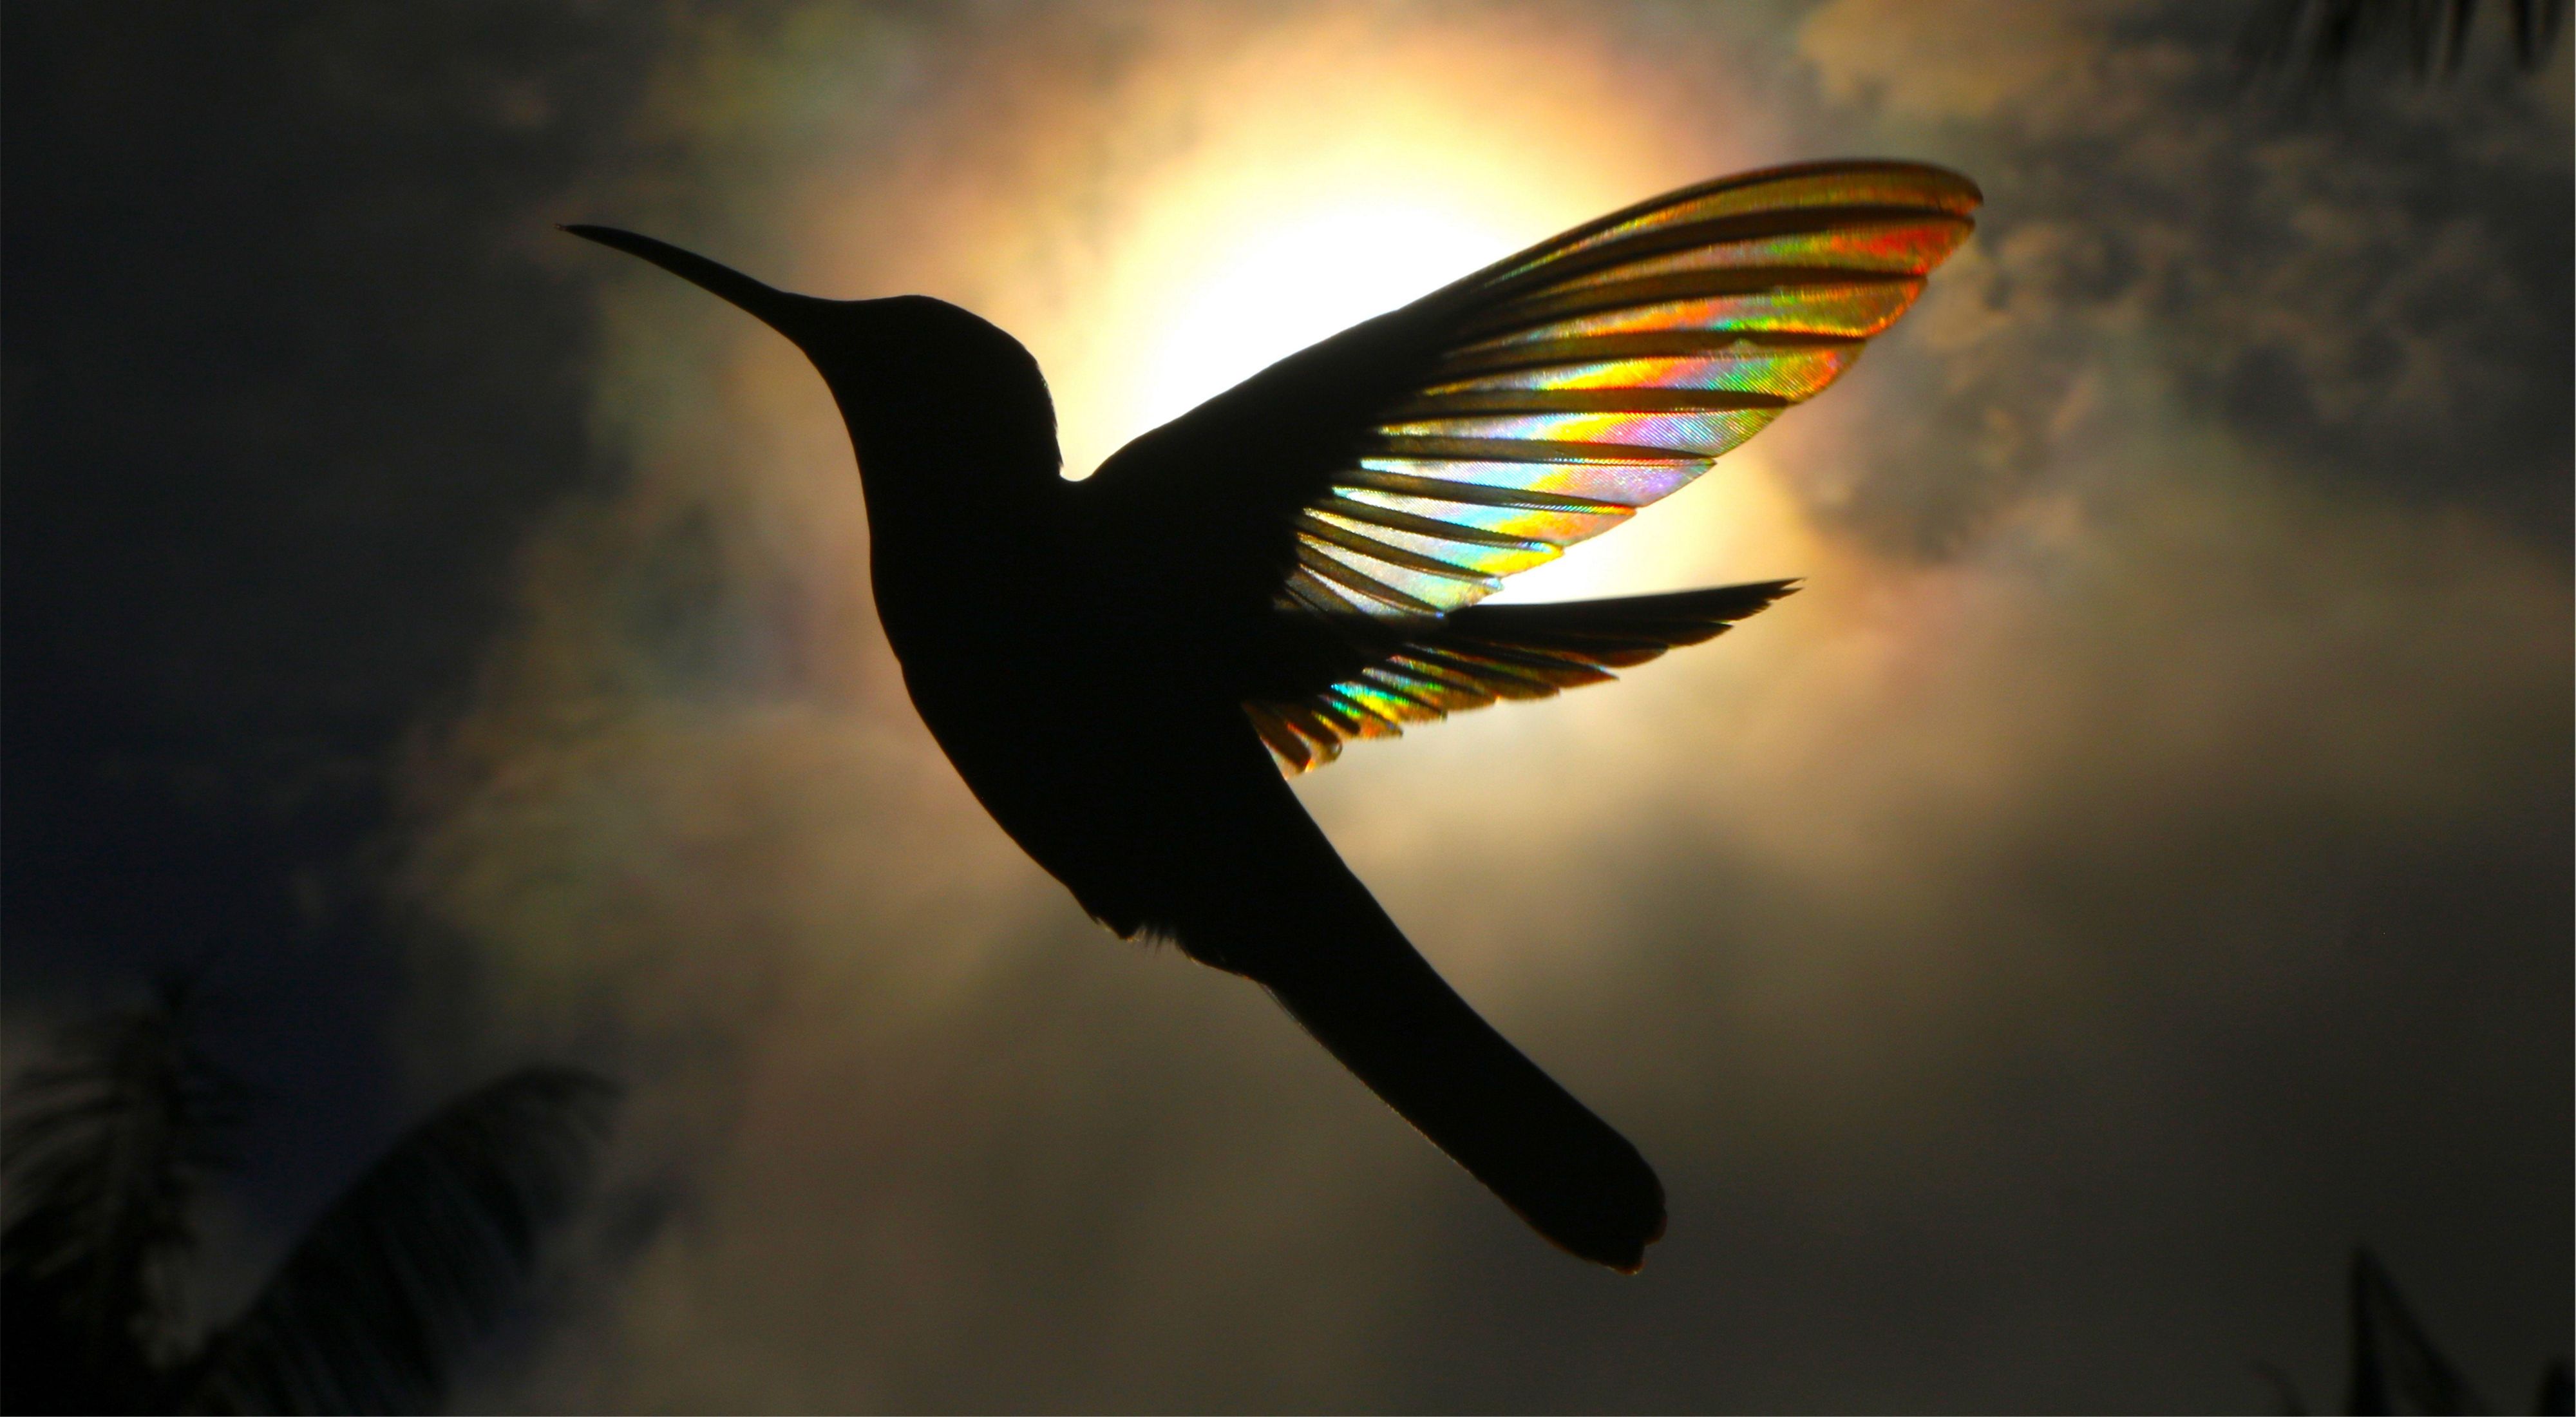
{"points": [[1586, 378], [1372, 488], [1484, 653], [1605, 369]]}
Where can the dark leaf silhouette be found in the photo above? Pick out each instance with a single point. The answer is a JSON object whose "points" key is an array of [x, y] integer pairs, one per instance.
{"points": [[2318, 39], [2557, 1395], [2395, 1365], [107, 1150], [417, 1259]]}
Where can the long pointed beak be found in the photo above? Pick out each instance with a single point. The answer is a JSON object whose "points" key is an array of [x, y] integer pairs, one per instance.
{"points": [[775, 308]]}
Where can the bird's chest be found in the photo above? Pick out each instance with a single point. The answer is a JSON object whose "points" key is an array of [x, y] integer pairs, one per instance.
{"points": [[1051, 699], [1024, 604], [1009, 655]]}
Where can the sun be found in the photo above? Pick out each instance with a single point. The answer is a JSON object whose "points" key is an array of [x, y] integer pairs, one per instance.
{"points": [[1216, 281], [1245, 200], [1221, 280], [1224, 284], [1300, 281]]}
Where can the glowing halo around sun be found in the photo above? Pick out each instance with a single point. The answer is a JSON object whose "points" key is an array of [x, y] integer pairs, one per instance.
{"points": [[1240, 281], [1303, 279], [1229, 201], [1212, 280], [1225, 202]]}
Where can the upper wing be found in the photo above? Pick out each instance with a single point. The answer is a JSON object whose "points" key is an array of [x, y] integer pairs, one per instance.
{"points": [[1401, 468]]}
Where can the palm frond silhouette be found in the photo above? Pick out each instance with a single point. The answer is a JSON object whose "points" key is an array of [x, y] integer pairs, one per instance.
{"points": [[2396, 1366], [2318, 39], [105, 1151], [108, 1150]]}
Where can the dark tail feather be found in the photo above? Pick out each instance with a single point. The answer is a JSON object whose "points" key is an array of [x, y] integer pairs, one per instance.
{"points": [[1408, 1035], [1268, 897]]}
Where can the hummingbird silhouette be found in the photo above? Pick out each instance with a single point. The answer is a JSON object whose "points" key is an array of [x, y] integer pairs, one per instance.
{"points": [[1122, 667]]}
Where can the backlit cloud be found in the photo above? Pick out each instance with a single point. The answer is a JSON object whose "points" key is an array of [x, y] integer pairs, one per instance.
{"points": [[2021, 950]]}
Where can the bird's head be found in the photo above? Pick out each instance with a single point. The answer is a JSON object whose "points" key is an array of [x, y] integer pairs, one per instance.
{"points": [[930, 391]]}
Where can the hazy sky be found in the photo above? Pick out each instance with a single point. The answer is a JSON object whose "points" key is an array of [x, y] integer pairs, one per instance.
{"points": [[2134, 871]]}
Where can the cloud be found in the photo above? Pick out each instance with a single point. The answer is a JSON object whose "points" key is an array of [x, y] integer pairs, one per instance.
{"points": [[2132, 870], [1958, 59], [2359, 289]]}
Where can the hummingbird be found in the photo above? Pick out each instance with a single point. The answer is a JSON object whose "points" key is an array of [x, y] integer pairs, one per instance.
{"points": [[1126, 669]]}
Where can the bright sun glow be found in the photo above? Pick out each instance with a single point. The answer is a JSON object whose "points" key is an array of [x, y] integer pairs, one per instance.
{"points": [[1216, 279], [1299, 282], [1287, 190], [1238, 285]]}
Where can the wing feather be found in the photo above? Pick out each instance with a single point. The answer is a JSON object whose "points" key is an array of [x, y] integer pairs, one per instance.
{"points": [[1394, 474], [1489, 652], [1616, 363]]}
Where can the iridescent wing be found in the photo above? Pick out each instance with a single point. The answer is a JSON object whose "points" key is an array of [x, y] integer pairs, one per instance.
{"points": [[1475, 656], [1606, 369], [1396, 472]]}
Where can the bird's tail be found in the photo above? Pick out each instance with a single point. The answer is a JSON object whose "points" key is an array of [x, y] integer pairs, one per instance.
{"points": [[1293, 917], [1408, 1035]]}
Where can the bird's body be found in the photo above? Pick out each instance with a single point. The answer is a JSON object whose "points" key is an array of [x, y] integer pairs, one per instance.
{"points": [[1011, 602], [1118, 667]]}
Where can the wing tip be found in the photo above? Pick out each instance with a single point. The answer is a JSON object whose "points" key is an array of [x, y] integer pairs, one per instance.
{"points": [[1960, 187], [1962, 193]]}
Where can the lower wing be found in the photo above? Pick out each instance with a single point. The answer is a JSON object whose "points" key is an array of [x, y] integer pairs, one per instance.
{"points": [[1391, 674]]}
